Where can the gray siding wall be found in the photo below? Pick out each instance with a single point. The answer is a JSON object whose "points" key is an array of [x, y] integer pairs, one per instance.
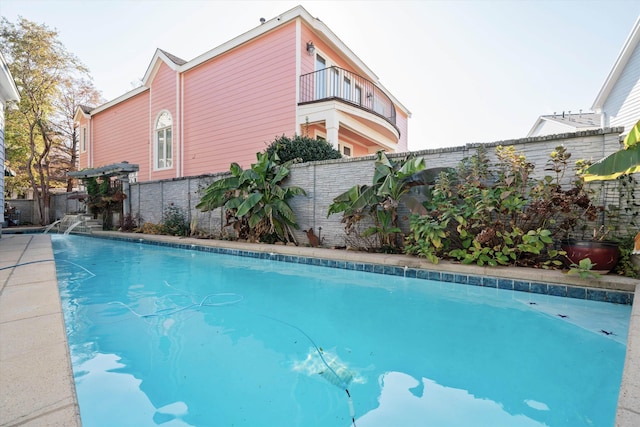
{"points": [[623, 103]]}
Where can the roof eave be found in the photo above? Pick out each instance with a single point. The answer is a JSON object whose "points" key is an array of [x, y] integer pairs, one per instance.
{"points": [[154, 65], [8, 89], [261, 29], [109, 170], [623, 58], [80, 114], [535, 126], [315, 24], [119, 99]]}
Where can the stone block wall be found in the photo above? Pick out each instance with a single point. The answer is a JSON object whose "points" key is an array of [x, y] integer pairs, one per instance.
{"points": [[325, 180]]}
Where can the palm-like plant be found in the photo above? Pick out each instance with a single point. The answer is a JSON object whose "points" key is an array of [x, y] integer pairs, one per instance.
{"points": [[622, 162], [255, 200], [391, 182]]}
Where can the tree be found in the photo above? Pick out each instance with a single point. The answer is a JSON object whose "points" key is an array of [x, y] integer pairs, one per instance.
{"points": [[75, 92], [42, 68]]}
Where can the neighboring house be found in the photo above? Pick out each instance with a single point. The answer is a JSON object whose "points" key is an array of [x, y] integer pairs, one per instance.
{"points": [[557, 124], [617, 103], [619, 99], [289, 75], [8, 92]]}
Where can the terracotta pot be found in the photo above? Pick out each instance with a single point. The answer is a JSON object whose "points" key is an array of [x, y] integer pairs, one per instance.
{"points": [[603, 254]]}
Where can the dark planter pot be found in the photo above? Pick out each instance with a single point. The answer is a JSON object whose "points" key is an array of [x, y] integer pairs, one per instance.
{"points": [[603, 254]]}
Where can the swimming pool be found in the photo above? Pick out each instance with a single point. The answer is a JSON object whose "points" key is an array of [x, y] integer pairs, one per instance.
{"points": [[172, 337]]}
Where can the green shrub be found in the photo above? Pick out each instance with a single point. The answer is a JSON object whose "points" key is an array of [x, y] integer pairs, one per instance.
{"points": [[488, 213], [302, 147], [174, 222]]}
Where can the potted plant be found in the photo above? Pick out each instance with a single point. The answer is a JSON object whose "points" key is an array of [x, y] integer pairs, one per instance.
{"points": [[605, 254], [580, 222], [585, 234]]}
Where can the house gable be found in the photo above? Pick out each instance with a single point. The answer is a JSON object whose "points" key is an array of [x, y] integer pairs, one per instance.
{"points": [[164, 98], [238, 102], [232, 101], [564, 123], [160, 57], [123, 133], [619, 97]]}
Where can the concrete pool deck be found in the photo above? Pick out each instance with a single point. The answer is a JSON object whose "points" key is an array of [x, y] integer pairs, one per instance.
{"points": [[36, 381]]}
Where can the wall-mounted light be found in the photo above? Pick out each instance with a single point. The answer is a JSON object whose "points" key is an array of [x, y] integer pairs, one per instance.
{"points": [[310, 47]]}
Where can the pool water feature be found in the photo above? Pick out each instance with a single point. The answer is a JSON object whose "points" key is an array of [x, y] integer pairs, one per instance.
{"points": [[175, 337]]}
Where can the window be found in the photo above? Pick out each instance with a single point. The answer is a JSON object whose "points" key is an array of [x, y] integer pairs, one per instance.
{"points": [[378, 106], [357, 95], [83, 139], [321, 77], [346, 150], [164, 141], [335, 82], [346, 89]]}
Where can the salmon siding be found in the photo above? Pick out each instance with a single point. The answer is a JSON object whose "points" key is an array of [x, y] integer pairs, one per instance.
{"points": [[240, 102], [197, 117], [163, 98], [123, 134]]}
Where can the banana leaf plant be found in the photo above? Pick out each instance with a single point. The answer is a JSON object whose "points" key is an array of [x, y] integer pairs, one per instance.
{"points": [[623, 162], [254, 200], [379, 201]]}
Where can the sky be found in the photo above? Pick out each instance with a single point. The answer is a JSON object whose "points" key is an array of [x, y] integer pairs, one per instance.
{"points": [[468, 71]]}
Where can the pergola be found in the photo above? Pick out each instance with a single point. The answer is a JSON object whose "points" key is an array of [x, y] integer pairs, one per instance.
{"points": [[119, 170]]}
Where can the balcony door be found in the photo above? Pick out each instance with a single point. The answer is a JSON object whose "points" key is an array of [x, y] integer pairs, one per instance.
{"points": [[327, 79], [321, 77]]}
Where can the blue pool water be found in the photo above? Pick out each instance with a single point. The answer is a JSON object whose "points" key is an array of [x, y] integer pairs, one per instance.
{"points": [[171, 337]]}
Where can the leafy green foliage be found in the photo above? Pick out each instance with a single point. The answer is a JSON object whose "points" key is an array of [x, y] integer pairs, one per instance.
{"points": [[105, 197], [625, 266], [584, 269], [174, 222], [42, 69], [493, 214], [254, 200], [379, 202], [303, 148]]}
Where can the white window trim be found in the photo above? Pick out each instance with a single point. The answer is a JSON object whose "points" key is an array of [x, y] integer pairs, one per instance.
{"points": [[342, 145], [155, 142], [83, 139]]}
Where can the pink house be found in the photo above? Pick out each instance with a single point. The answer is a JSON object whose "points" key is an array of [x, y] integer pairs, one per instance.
{"points": [[288, 75]]}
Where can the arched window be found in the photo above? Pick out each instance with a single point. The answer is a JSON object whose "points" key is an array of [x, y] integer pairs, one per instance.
{"points": [[164, 141]]}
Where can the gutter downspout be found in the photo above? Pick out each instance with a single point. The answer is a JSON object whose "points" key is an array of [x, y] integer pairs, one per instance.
{"points": [[181, 101], [179, 125]]}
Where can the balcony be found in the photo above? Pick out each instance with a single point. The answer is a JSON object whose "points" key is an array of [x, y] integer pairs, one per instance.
{"points": [[338, 84]]}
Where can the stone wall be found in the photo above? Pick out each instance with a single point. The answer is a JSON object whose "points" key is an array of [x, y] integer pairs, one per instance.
{"points": [[325, 180]]}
